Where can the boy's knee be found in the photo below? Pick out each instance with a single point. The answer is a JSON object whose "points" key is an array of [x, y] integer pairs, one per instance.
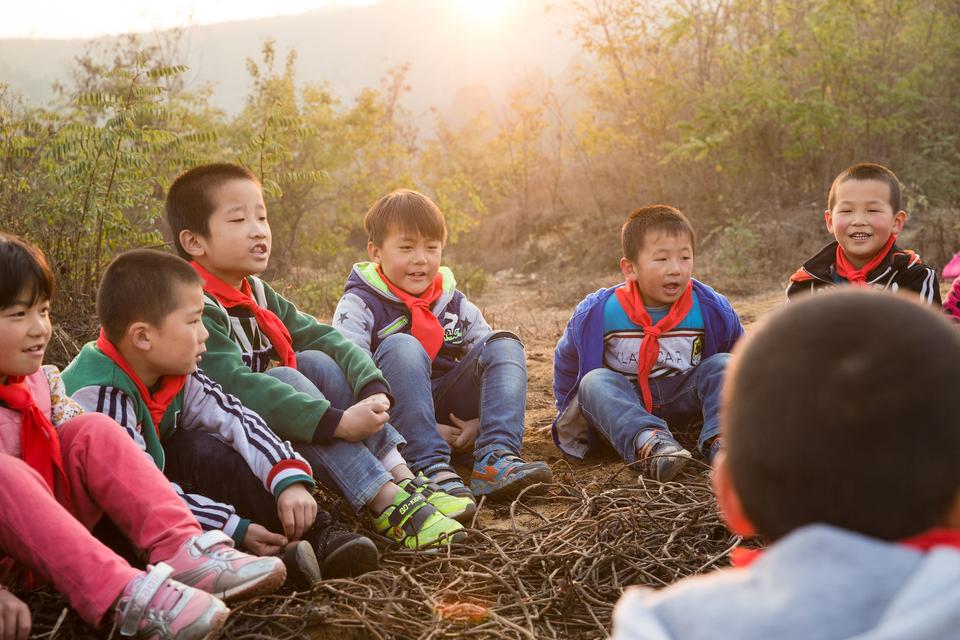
{"points": [[715, 364], [403, 347], [597, 379], [91, 426]]}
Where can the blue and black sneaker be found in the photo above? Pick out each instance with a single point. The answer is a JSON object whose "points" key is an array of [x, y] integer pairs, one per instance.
{"points": [[501, 474]]}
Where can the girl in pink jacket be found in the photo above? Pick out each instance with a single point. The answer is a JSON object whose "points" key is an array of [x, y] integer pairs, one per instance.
{"points": [[62, 471]]}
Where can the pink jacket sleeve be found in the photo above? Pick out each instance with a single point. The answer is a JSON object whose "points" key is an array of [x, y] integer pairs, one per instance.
{"points": [[952, 305]]}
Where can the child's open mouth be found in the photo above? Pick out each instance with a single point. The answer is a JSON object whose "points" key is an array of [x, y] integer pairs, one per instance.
{"points": [[417, 274], [860, 236], [259, 250], [36, 350]]}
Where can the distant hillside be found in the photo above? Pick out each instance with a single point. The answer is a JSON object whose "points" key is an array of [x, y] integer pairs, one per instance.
{"points": [[349, 48]]}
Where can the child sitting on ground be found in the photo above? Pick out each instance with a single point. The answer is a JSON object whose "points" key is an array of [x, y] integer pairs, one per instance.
{"points": [[865, 216], [327, 397], [841, 438], [439, 355], [142, 372], [640, 356], [62, 471]]}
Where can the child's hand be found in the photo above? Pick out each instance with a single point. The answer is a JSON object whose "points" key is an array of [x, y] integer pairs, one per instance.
{"points": [[261, 542], [297, 510], [377, 398], [468, 433], [14, 617], [448, 433], [362, 420]]}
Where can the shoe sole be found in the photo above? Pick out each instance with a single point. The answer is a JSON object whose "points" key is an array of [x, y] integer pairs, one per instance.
{"points": [[306, 570], [351, 559], [217, 624], [260, 586], [678, 461], [516, 483], [465, 516]]}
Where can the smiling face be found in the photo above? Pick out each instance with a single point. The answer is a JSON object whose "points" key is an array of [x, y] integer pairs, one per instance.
{"points": [[862, 220], [24, 333], [662, 268], [408, 260], [175, 346], [239, 239]]}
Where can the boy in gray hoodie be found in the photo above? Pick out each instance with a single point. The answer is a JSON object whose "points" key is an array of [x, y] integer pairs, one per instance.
{"points": [[842, 441]]}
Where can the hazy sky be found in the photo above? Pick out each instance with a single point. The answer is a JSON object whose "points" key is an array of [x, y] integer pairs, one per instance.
{"points": [[86, 18]]}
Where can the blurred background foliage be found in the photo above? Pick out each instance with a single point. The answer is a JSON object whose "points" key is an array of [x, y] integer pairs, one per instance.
{"points": [[740, 113]]}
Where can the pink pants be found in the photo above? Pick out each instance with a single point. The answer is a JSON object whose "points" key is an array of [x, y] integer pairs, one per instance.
{"points": [[109, 476]]}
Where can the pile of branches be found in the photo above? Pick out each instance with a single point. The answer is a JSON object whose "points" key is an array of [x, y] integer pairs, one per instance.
{"points": [[550, 565]]}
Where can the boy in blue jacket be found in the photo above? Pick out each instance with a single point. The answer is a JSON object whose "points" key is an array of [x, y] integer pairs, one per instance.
{"points": [[648, 352]]}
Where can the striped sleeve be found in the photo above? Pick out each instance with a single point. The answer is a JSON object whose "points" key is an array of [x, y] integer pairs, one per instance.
{"points": [[207, 407], [923, 280], [214, 515], [114, 403]]}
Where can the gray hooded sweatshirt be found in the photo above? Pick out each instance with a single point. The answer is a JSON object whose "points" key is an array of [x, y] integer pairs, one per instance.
{"points": [[818, 583]]}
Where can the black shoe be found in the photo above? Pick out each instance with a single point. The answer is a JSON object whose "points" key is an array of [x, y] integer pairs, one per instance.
{"points": [[342, 553], [303, 570]]}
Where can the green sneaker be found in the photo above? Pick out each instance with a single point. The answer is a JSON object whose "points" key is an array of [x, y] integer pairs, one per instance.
{"points": [[414, 523], [458, 508]]}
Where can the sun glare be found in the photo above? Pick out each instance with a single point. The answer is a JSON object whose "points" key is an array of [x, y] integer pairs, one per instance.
{"points": [[485, 12]]}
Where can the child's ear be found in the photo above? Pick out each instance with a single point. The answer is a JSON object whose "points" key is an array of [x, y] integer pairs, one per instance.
{"points": [[191, 243], [898, 221], [728, 500], [373, 251], [629, 269], [140, 336], [828, 218]]}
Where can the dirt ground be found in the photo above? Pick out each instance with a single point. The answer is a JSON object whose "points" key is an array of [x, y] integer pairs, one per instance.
{"points": [[528, 307]]}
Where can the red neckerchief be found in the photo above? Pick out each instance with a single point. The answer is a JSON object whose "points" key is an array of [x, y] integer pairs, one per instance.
{"points": [[39, 441], [267, 320], [423, 324], [158, 402], [744, 557], [632, 303], [846, 270]]}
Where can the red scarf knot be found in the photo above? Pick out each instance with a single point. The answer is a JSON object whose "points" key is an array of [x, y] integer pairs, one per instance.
{"points": [[272, 326], [632, 303], [423, 324], [858, 277]]}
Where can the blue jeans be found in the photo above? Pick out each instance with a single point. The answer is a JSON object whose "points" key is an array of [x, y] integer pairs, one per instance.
{"points": [[489, 383], [611, 403], [351, 468]]}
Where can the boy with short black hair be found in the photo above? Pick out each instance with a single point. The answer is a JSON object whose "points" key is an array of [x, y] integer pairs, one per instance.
{"points": [[438, 353], [858, 549], [647, 353], [865, 215], [327, 396], [142, 372]]}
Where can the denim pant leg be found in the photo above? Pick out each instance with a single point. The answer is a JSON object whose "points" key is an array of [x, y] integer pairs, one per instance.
{"points": [[611, 404], [327, 376], [489, 382], [347, 467], [214, 469], [407, 368], [695, 394], [710, 376]]}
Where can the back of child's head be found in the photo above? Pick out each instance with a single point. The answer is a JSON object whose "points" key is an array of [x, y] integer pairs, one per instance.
{"points": [[867, 171], [840, 409], [143, 285], [404, 211], [654, 218], [190, 201], [25, 275]]}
